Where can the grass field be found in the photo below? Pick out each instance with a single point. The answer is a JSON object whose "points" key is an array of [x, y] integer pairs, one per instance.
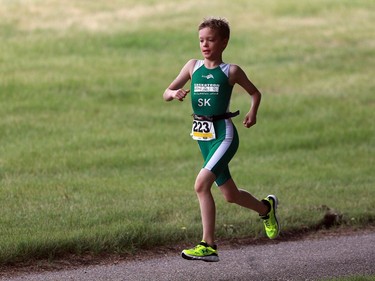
{"points": [[93, 160]]}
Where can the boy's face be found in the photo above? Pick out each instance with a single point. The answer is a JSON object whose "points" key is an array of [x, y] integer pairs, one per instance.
{"points": [[211, 44]]}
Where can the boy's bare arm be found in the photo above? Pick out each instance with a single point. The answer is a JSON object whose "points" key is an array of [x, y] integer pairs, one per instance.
{"points": [[237, 75], [251, 116], [179, 94], [175, 90]]}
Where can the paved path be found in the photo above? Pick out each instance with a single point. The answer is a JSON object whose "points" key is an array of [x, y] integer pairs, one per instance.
{"points": [[294, 260]]}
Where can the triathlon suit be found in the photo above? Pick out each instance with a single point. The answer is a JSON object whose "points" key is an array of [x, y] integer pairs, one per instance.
{"points": [[210, 96]]}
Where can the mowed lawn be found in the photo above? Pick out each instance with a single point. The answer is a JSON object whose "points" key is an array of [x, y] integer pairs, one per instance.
{"points": [[93, 160]]}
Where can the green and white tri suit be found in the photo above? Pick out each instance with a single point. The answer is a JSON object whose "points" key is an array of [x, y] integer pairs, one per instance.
{"points": [[210, 96]]}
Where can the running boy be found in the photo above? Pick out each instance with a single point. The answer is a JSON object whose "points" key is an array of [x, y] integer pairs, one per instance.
{"points": [[212, 82]]}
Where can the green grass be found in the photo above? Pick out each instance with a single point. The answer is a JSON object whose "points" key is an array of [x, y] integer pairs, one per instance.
{"points": [[93, 160]]}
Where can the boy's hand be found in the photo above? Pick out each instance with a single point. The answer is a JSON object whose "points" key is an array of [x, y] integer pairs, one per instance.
{"points": [[180, 94], [250, 120]]}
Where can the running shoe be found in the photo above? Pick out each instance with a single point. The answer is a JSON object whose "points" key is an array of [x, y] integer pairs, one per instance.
{"points": [[202, 251], [271, 225]]}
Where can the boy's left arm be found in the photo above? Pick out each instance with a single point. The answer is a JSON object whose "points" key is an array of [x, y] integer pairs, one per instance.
{"points": [[237, 75], [251, 116]]}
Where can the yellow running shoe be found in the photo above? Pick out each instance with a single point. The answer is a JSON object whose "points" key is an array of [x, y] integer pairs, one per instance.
{"points": [[202, 251], [271, 225]]}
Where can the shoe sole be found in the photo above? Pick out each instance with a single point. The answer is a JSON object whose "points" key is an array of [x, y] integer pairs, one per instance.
{"points": [[275, 203], [205, 258]]}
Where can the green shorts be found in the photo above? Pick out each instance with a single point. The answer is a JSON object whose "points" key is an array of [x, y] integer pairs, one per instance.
{"points": [[217, 153]]}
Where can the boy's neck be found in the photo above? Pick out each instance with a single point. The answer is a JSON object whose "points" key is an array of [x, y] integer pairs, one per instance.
{"points": [[212, 63]]}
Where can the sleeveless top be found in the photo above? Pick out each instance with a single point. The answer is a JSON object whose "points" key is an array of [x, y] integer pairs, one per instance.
{"points": [[210, 89]]}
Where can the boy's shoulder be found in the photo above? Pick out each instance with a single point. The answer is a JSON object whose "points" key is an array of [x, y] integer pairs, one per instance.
{"points": [[233, 65], [190, 65], [234, 68], [193, 62], [235, 74]]}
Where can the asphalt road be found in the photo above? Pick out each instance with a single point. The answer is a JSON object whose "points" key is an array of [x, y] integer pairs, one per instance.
{"points": [[312, 259]]}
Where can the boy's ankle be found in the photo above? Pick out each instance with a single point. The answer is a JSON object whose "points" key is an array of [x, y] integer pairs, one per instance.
{"points": [[212, 245], [268, 205]]}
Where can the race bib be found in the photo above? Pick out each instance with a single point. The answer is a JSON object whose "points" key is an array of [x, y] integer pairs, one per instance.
{"points": [[203, 130]]}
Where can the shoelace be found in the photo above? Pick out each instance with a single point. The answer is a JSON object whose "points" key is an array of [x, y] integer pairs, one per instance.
{"points": [[267, 223], [198, 247], [266, 220]]}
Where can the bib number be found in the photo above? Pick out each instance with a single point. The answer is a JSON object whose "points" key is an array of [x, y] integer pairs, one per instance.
{"points": [[203, 130]]}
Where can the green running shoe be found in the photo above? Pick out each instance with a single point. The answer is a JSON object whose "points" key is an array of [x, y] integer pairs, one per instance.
{"points": [[271, 225], [202, 251]]}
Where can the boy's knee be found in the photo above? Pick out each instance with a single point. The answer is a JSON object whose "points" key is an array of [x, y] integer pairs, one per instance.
{"points": [[204, 181], [197, 188], [200, 187]]}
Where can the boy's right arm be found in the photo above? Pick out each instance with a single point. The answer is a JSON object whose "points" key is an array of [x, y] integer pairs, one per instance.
{"points": [[175, 91]]}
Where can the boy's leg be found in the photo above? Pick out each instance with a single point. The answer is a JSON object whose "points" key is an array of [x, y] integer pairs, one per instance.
{"points": [[205, 250], [243, 198], [266, 207], [203, 186]]}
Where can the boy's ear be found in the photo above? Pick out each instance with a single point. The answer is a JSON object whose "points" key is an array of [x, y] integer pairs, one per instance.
{"points": [[225, 42]]}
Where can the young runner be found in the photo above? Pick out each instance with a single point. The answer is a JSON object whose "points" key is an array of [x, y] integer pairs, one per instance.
{"points": [[212, 82]]}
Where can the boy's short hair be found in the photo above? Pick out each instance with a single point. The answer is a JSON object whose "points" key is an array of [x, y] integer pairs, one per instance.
{"points": [[221, 25]]}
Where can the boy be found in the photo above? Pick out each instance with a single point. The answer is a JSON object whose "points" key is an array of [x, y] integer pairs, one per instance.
{"points": [[212, 82]]}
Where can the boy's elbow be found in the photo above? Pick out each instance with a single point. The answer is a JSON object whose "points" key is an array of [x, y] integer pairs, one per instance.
{"points": [[257, 94], [166, 95]]}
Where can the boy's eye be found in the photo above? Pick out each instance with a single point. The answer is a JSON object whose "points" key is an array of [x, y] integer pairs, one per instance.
{"points": [[209, 40]]}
